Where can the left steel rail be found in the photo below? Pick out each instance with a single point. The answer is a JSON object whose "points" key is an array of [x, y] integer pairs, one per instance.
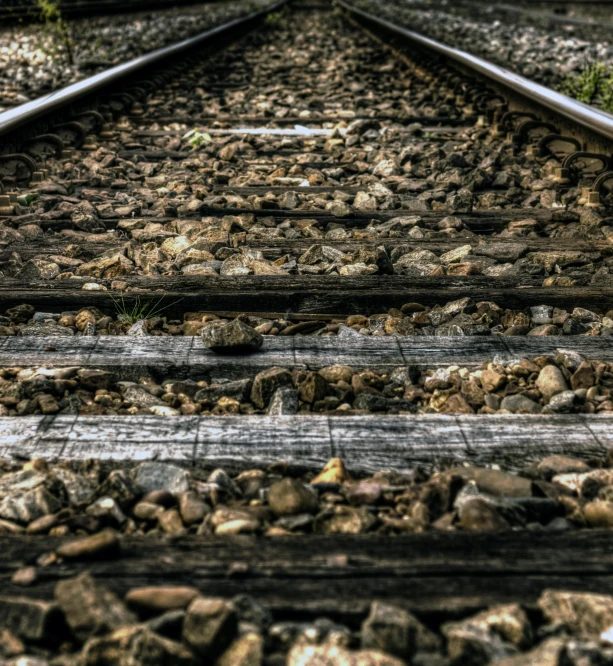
{"points": [[36, 109]]}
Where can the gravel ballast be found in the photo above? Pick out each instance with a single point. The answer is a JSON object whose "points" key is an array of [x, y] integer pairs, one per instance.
{"points": [[566, 383]]}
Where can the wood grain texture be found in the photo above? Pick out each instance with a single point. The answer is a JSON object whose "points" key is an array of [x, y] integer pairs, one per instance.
{"points": [[187, 357], [308, 294], [367, 443], [436, 575]]}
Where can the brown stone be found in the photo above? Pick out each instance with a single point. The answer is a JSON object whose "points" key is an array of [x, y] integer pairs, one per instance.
{"points": [[192, 508], [547, 653], [30, 619], [492, 380], [157, 600], [103, 545], [347, 520], [136, 646], [90, 608], [585, 614], [247, 650], [170, 522], [599, 513], [210, 625], [476, 515], [266, 383], [336, 373], [334, 471], [25, 576], [288, 497], [456, 404], [10, 645], [314, 387], [496, 482], [583, 377]]}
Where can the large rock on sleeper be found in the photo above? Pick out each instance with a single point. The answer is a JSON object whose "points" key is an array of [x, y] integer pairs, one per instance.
{"points": [[233, 338]]}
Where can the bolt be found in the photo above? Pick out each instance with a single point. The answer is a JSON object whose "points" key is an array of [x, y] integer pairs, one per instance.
{"points": [[582, 200], [90, 143], [5, 205], [561, 175], [593, 199]]}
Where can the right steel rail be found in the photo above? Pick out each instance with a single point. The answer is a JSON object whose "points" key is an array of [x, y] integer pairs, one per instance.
{"points": [[587, 117]]}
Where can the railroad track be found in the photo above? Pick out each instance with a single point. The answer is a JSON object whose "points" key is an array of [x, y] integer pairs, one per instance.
{"points": [[418, 244], [25, 10]]}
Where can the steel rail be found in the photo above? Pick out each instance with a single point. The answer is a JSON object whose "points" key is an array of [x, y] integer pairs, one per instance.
{"points": [[23, 114], [589, 118]]}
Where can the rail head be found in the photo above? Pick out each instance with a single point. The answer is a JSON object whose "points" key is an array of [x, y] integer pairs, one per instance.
{"points": [[587, 117], [31, 111]]}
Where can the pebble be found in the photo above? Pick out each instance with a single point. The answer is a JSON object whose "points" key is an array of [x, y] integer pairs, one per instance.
{"points": [[289, 497], [103, 545], [551, 382], [155, 600], [209, 626], [477, 515]]}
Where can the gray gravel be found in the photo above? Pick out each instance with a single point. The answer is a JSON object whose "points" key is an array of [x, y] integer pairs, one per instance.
{"points": [[32, 63], [542, 55]]}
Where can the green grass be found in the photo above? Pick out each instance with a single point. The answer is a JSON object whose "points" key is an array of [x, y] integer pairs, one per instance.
{"points": [[196, 138], [276, 19], [594, 85], [55, 25], [138, 310]]}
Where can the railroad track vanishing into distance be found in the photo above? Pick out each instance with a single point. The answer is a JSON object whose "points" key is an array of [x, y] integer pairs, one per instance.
{"points": [[424, 243]]}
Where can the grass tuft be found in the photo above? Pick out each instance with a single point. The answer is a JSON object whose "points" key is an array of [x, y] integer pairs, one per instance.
{"points": [[139, 310], [594, 85]]}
